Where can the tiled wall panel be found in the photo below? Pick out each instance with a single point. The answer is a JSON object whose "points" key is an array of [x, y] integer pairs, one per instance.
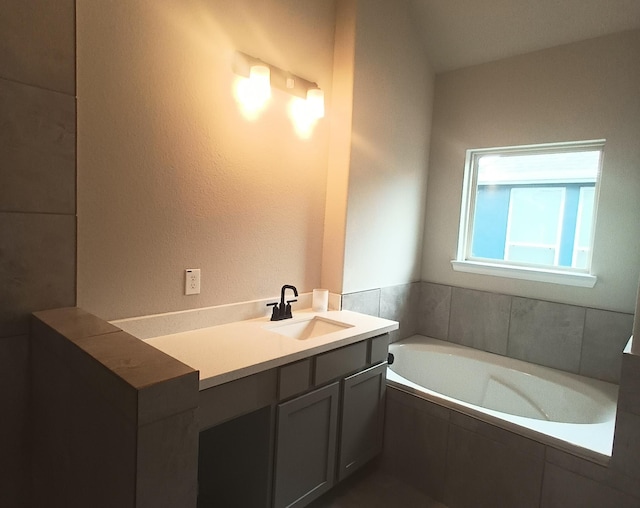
{"points": [[366, 302], [37, 149], [467, 463], [37, 268], [399, 303], [415, 444], [487, 472], [563, 488], [114, 420], [14, 453], [546, 333], [434, 310], [574, 339], [567, 337], [480, 320], [605, 336], [38, 43], [37, 201]]}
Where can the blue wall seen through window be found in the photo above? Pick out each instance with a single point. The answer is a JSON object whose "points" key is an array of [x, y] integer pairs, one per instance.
{"points": [[492, 214]]}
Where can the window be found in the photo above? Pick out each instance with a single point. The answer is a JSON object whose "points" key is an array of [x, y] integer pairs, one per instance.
{"points": [[529, 212]]}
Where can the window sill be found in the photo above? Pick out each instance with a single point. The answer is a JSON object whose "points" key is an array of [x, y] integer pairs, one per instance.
{"points": [[584, 280]]}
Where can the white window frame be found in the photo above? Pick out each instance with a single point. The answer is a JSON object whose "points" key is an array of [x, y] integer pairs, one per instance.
{"points": [[464, 262], [577, 248]]}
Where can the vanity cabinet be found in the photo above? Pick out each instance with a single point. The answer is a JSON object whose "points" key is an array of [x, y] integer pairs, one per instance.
{"points": [[362, 426], [283, 437], [305, 447], [325, 435]]}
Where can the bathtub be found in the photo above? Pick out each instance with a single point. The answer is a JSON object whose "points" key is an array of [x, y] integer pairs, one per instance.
{"points": [[568, 411]]}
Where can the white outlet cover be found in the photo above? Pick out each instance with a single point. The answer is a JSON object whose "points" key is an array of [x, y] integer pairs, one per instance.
{"points": [[192, 281]]}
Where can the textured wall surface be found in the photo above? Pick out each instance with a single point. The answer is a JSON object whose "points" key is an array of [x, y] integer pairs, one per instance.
{"points": [[37, 203], [173, 176], [392, 101], [587, 90]]}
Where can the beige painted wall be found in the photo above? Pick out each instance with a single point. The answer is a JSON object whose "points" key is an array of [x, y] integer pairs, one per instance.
{"points": [[391, 119], [337, 195], [172, 176], [587, 90]]}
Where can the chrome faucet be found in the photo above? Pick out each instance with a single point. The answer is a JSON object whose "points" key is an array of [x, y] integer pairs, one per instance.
{"points": [[284, 310]]}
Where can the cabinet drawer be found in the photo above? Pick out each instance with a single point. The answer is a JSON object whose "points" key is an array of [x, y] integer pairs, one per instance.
{"points": [[237, 397], [379, 349], [339, 362], [294, 378]]}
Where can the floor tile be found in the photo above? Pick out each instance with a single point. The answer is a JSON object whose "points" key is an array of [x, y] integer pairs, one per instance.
{"points": [[372, 488]]}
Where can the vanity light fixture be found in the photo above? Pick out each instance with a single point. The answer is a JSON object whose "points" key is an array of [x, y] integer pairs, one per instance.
{"points": [[261, 76], [260, 79], [315, 99]]}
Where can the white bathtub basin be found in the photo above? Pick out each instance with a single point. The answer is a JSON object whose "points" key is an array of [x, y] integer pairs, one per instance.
{"points": [[564, 407]]}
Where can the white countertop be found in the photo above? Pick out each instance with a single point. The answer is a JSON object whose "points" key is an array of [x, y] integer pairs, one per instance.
{"points": [[234, 350]]}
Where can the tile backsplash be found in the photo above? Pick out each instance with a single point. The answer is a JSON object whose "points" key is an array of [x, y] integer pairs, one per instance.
{"points": [[576, 339]]}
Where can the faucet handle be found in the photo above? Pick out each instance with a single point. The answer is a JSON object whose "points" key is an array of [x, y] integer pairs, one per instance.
{"points": [[287, 310], [275, 311]]}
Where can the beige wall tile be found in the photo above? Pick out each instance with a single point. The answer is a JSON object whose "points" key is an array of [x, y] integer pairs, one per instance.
{"points": [[50, 439], [435, 309], [628, 399], [366, 302], [563, 488], [415, 444], [546, 333], [400, 303], [14, 461], [605, 336], [37, 149], [167, 462], [37, 43], [484, 472], [102, 447], [626, 444], [37, 266], [480, 319]]}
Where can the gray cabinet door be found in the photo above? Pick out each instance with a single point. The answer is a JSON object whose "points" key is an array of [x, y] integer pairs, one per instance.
{"points": [[362, 418], [305, 447]]}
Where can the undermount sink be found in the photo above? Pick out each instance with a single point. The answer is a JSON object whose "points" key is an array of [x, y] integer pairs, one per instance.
{"points": [[309, 328]]}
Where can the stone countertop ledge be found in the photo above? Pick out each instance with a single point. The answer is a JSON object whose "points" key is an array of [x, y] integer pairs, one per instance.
{"points": [[230, 351]]}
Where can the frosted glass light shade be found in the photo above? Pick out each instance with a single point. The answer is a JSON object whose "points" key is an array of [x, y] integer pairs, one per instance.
{"points": [[260, 77], [315, 101]]}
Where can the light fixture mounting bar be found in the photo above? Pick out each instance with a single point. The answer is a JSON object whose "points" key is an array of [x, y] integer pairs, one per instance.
{"points": [[281, 79]]}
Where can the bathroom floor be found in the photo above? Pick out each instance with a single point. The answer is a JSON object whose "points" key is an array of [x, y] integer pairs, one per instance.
{"points": [[372, 488]]}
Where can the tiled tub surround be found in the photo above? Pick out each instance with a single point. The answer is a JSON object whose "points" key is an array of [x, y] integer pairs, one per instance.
{"points": [[399, 303], [113, 419], [466, 462], [576, 339], [571, 412]]}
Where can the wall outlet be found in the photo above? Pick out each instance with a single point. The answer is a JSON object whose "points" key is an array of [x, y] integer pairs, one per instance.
{"points": [[192, 281]]}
